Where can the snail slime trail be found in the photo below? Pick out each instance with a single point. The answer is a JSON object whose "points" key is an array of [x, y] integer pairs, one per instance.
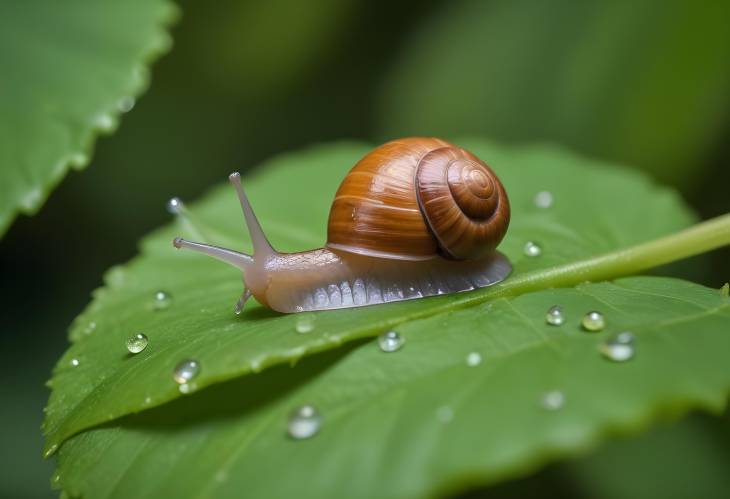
{"points": [[415, 217]]}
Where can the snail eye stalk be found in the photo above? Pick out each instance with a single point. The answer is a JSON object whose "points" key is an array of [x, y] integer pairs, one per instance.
{"points": [[261, 245]]}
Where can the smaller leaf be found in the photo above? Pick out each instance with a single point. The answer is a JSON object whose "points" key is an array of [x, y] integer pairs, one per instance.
{"points": [[69, 70]]}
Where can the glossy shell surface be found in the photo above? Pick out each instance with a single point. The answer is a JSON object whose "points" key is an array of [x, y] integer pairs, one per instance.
{"points": [[417, 199]]}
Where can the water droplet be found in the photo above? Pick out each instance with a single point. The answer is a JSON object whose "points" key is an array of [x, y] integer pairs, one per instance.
{"points": [[90, 327], [104, 122], [75, 362], [390, 341], [544, 199], [619, 348], [473, 359], [49, 452], [161, 300], [553, 400], [593, 321], [554, 316], [445, 414], [305, 324], [126, 104], [185, 371], [175, 206], [147, 400], [532, 249], [78, 160], [304, 422], [55, 479], [137, 342], [186, 388]]}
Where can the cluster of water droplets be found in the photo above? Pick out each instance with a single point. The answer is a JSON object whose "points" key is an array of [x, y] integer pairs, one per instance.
{"points": [[619, 347]]}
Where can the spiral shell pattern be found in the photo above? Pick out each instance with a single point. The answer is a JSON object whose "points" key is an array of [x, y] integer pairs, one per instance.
{"points": [[417, 198], [463, 202]]}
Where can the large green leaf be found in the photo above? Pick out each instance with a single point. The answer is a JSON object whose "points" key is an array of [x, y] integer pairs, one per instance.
{"points": [[590, 215], [384, 433], [69, 69], [422, 421], [643, 83]]}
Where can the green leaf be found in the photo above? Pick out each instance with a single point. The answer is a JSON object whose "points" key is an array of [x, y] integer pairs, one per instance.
{"points": [[595, 211], [422, 422], [644, 83], [69, 69]]}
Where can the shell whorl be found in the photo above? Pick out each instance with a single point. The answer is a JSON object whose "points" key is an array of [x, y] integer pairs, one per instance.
{"points": [[463, 202], [416, 198]]}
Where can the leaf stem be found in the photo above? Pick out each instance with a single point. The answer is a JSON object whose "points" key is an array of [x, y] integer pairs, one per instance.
{"points": [[700, 238]]}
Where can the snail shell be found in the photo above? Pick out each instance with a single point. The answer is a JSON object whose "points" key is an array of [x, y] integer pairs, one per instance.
{"points": [[418, 198]]}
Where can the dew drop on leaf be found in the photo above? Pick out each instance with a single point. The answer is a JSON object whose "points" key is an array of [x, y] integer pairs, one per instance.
{"points": [[126, 104], [186, 388], [619, 348], [593, 321], [175, 206], [104, 122], [137, 342], [49, 452], [78, 160], [532, 249], [555, 316], [544, 199], [553, 400], [390, 341], [161, 300], [473, 359], [305, 324], [186, 371], [75, 362], [304, 422], [90, 327]]}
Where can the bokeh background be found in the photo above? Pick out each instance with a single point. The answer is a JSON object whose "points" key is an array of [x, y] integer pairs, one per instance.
{"points": [[644, 83]]}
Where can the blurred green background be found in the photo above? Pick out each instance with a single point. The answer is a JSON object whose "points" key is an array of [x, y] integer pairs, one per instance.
{"points": [[644, 83]]}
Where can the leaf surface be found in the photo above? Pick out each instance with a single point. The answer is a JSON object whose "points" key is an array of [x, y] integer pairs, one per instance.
{"points": [[422, 422], [69, 70], [97, 380]]}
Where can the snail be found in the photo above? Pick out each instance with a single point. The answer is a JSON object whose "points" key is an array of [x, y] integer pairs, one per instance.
{"points": [[415, 217]]}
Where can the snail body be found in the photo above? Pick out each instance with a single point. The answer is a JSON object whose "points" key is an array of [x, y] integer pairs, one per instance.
{"points": [[415, 217]]}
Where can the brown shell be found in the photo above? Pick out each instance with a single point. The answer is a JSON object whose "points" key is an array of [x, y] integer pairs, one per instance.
{"points": [[416, 198]]}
